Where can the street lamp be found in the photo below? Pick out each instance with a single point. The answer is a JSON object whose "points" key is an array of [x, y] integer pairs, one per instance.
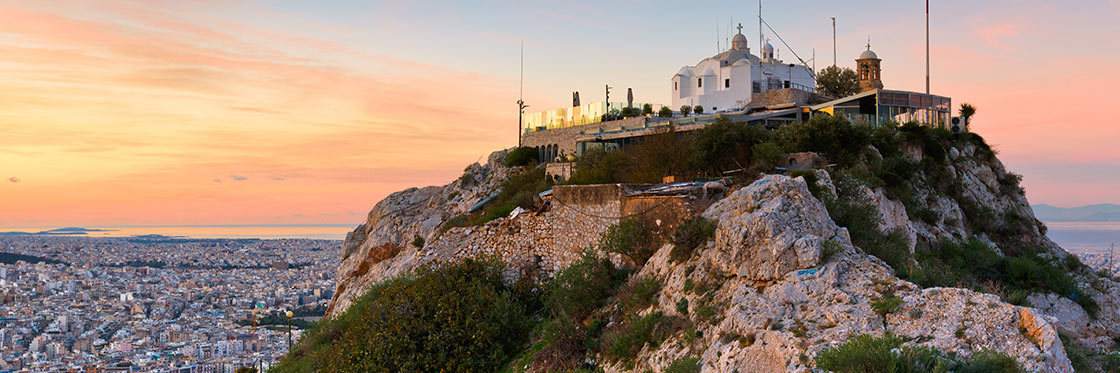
{"points": [[289, 314]]}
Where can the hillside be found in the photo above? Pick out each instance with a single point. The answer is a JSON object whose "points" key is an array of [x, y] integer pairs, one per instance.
{"points": [[897, 238]]}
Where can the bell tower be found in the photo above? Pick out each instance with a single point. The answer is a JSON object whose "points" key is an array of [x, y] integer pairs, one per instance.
{"points": [[869, 68]]}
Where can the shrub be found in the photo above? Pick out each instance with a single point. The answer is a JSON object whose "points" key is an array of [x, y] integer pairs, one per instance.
{"points": [[698, 109], [685, 110], [834, 137], [1111, 363], [766, 154], [633, 237], [647, 109], [581, 288], [1078, 355], [865, 353], [631, 112], [417, 241], [639, 293], [665, 112], [522, 156], [810, 181], [463, 304], [685, 364], [624, 342], [682, 306], [724, 145], [888, 303], [690, 235]]}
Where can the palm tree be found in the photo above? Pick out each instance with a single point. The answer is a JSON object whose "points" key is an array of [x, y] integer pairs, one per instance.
{"points": [[967, 111]]}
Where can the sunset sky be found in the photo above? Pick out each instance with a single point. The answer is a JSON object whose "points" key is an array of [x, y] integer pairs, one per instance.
{"points": [[291, 112]]}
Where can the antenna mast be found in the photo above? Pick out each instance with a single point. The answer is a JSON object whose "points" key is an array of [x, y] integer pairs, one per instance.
{"points": [[927, 47], [761, 42], [521, 96], [833, 41]]}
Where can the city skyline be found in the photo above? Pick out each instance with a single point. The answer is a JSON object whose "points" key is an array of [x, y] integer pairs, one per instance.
{"points": [[244, 112]]}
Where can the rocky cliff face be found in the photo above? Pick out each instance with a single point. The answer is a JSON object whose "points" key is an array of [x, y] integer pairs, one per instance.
{"points": [[783, 301], [782, 281], [383, 246]]}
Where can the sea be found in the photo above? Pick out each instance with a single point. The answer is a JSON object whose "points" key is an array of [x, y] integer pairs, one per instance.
{"points": [[1077, 237], [319, 231]]}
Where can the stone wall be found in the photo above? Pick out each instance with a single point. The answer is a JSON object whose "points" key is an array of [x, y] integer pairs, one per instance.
{"points": [[547, 241], [565, 138], [785, 96]]}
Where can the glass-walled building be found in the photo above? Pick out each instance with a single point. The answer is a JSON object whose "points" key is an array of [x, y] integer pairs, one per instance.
{"points": [[880, 106], [575, 115]]}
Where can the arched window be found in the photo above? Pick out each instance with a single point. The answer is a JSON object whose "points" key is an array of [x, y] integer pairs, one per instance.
{"points": [[700, 82]]}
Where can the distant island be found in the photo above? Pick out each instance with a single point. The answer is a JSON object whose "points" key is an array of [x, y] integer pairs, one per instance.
{"points": [[68, 231], [1105, 212], [62, 231]]}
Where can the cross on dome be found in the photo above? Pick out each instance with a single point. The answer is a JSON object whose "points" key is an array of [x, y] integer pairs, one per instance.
{"points": [[740, 28]]}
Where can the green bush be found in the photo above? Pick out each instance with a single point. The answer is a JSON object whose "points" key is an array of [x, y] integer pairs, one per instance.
{"points": [[584, 286], [698, 109], [766, 154], [685, 364], [888, 303], [665, 112], [417, 241], [520, 190], [1111, 363], [522, 156], [639, 293], [633, 237], [409, 323], [690, 235], [647, 109], [682, 306], [865, 353], [624, 342], [685, 110], [724, 145], [833, 137]]}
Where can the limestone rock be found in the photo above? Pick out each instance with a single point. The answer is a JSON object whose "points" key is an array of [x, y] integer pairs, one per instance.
{"points": [[770, 228]]}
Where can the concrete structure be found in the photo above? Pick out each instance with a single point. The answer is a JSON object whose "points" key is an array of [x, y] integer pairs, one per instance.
{"points": [[726, 81]]}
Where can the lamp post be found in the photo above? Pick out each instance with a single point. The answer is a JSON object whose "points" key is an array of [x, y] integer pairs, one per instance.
{"points": [[289, 314]]}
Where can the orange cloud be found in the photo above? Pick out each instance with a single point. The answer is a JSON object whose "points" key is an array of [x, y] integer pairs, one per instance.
{"points": [[137, 118]]}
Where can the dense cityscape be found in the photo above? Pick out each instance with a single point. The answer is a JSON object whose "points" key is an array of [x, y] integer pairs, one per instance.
{"points": [[157, 303]]}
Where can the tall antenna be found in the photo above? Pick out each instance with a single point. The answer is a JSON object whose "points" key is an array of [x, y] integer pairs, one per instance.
{"points": [[833, 41], [717, 36], [761, 42], [521, 96], [927, 47]]}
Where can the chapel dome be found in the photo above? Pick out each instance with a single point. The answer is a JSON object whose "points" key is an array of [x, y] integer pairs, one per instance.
{"points": [[739, 42], [868, 54], [768, 48]]}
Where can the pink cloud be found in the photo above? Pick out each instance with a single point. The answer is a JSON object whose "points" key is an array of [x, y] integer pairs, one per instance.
{"points": [[993, 35]]}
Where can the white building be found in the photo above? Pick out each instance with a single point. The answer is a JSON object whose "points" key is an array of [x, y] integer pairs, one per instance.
{"points": [[727, 80]]}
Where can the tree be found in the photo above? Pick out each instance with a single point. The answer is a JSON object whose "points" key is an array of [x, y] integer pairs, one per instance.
{"points": [[685, 110], [665, 112], [967, 111], [647, 109], [630, 112], [837, 82], [698, 110]]}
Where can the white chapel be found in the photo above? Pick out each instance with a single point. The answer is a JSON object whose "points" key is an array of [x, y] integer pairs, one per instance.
{"points": [[727, 80]]}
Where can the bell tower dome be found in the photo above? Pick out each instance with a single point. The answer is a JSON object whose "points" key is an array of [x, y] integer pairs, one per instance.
{"points": [[869, 68]]}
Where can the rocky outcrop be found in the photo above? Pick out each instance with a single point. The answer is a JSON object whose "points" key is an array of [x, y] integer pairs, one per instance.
{"points": [[382, 247], [778, 317], [769, 229]]}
